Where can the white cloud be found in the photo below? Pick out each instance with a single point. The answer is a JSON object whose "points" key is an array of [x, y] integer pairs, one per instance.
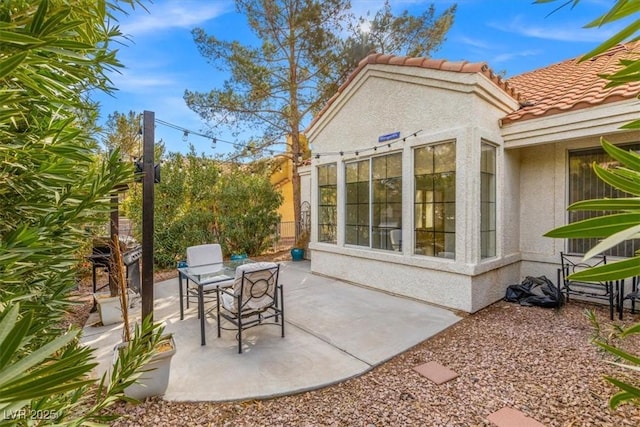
{"points": [[473, 42], [168, 14], [141, 82], [566, 33], [508, 56]]}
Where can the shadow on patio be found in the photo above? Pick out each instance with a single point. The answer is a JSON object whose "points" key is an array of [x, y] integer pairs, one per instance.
{"points": [[334, 331]]}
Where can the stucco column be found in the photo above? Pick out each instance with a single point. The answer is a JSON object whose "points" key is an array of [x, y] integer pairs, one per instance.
{"points": [[468, 151]]}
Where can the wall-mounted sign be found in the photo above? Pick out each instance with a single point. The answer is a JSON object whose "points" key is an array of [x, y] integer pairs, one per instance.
{"points": [[389, 137]]}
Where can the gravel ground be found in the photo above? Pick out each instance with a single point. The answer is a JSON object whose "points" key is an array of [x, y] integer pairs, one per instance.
{"points": [[535, 360], [539, 361]]}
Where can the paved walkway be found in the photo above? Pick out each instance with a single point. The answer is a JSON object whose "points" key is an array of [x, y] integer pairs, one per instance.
{"points": [[334, 331]]}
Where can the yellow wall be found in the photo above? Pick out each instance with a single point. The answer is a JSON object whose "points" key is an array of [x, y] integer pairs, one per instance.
{"points": [[282, 177]]}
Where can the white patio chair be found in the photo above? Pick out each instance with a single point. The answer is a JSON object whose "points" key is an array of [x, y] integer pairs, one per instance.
{"points": [[255, 299], [202, 255], [396, 239]]}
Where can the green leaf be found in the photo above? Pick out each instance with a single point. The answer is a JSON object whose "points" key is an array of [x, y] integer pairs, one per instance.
{"points": [[614, 271], [629, 158], [39, 17], [622, 204], [13, 332], [11, 37], [634, 329], [631, 125], [602, 226], [620, 10], [612, 241], [11, 63], [617, 38], [618, 352], [630, 392], [619, 179]]}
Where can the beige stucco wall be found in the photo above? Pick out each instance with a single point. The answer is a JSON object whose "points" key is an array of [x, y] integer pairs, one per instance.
{"points": [[543, 184], [443, 106], [466, 108]]}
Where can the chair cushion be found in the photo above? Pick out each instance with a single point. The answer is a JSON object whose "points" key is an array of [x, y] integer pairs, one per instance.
{"points": [[204, 254], [256, 303], [212, 286]]}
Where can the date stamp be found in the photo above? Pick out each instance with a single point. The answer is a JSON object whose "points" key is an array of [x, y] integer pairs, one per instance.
{"points": [[30, 414]]}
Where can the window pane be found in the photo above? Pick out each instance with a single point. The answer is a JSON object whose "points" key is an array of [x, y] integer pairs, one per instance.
{"points": [[394, 165], [487, 201], [332, 174], [444, 157], [363, 170], [351, 235], [584, 184], [363, 192], [379, 167], [450, 217], [423, 161], [351, 172], [387, 199], [327, 203], [488, 159], [352, 193], [435, 200]]}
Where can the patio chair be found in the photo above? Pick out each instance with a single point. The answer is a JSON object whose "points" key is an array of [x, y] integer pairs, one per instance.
{"points": [[607, 291], [633, 295], [255, 299], [202, 255], [396, 240]]}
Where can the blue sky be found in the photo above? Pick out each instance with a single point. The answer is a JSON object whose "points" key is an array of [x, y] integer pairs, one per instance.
{"points": [[161, 59]]}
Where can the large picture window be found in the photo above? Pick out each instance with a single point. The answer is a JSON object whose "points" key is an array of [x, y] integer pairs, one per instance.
{"points": [[327, 203], [374, 202], [435, 200], [583, 185], [488, 201]]}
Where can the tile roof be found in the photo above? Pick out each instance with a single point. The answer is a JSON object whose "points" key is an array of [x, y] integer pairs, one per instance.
{"points": [[557, 88], [572, 85]]}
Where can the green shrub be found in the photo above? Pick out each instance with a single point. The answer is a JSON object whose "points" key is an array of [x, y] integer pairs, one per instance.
{"points": [[245, 212]]}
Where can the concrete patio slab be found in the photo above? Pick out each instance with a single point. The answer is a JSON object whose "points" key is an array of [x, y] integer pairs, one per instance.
{"points": [[334, 331]]}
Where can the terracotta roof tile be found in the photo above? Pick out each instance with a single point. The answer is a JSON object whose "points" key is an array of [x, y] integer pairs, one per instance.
{"points": [[572, 85], [568, 85]]}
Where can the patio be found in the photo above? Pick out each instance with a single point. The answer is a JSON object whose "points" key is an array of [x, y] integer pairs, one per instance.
{"points": [[334, 331]]}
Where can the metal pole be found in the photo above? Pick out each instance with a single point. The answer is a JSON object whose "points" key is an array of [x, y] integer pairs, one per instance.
{"points": [[147, 212]]}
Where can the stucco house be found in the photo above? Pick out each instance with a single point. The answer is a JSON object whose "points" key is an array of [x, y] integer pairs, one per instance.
{"points": [[437, 180]]}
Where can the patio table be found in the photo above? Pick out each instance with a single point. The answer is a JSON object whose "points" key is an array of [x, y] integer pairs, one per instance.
{"points": [[220, 273]]}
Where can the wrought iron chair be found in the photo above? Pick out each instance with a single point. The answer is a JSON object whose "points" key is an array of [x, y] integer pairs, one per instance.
{"points": [[607, 291], [202, 255], [633, 295], [255, 299]]}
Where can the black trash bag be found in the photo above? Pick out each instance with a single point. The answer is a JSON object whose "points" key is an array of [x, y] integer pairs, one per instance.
{"points": [[538, 291]]}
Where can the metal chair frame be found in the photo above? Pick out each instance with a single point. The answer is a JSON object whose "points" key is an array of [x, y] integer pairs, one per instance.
{"points": [[608, 291], [257, 298]]}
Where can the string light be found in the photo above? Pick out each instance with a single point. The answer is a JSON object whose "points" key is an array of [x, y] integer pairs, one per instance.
{"points": [[364, 150], [253, 148], [214, 140]]}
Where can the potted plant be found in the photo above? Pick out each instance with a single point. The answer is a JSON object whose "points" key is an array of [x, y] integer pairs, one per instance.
{"points": [[148, 340], [297, 252]]}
